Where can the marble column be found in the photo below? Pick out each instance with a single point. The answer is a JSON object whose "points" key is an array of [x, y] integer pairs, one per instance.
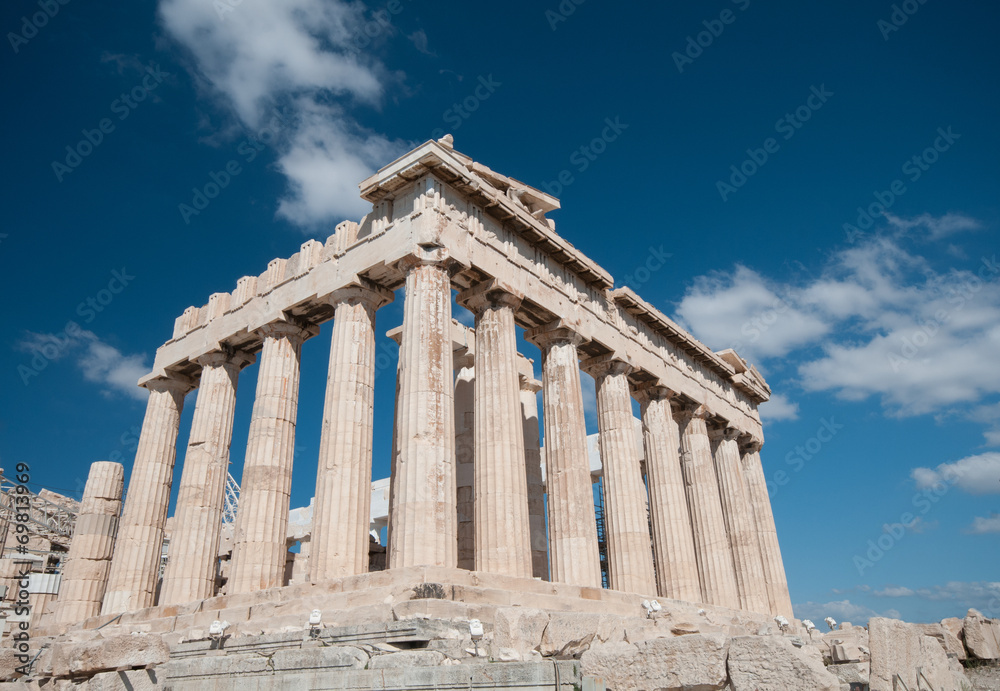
{"points": [[673, 543], [135, 565], [739, 521], [193, 556], [503, 540], [423, 522], [533, 473], [573, 553], [88, 563], [465, 458], [259, 536], [342, 512], [630, 556], [767, 534], [711, 543]]}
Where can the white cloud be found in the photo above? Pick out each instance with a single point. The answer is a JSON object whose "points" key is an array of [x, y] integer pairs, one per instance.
{"points": [[742, 311], [894, 591], [936, 228], [779, 408], [985, 526], [99, 362], [841, 610], [975, 474], [302, 55], [876, 320]]}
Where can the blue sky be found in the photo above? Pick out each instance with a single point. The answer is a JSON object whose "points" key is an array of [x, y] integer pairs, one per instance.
{"points": [[739, 150]]}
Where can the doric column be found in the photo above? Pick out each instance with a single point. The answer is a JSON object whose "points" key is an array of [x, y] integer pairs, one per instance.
{"points": [[630, 555], [767, 535], [573, 553], [739, 521], [533, 473], [259, 537], [422, 513], [711, 543], [193, 556], [85, 577], [673, 543], [465, 459], [342, 512], [136, 562], [503, 541]]}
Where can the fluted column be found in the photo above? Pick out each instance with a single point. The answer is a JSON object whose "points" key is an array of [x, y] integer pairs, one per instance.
{"points": [[503, 540], [465, 459], [259, 537], [85, 577], [342, 512], [135, 565], [192, 560], [739, 521], [422, 513], [573, 553], [630, 556], [533, 473], [767, 534], [711, 543], [673, 543]]}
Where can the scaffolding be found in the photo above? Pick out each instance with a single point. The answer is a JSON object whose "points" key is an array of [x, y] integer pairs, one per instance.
{"points": [[602, 536], [48, 523]]}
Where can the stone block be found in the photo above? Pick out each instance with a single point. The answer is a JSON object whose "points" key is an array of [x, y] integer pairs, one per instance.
{"points": [[119, 652], [570, 634], [772, 663], [672, 664], [851, 672], [903, 649], [332, 658], [519, 628], [407, 658], [982, 636], [948, 640]]}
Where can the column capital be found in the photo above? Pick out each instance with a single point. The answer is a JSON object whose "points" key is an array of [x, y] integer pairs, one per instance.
{"points": [[489, 294], [428, 256], [554, 333], [749, 443], [603, 365], [723, 432], [652, 391], [293, 329], [684, 412], [362, 292], [529, 384], [172, 382], [226, 356]]}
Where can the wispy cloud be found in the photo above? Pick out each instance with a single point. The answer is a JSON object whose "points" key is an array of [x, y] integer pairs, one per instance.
{"points": [[985, 525], [978, 474], [935, 228], [779, 408], [841, 610], [876, 320], [100, 363], [300, 56]]}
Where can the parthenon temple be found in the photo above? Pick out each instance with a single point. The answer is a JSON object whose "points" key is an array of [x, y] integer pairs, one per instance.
{"points": [[691, 523], [480, 513]]}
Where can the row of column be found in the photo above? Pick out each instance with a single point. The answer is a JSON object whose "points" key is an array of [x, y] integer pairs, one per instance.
{"points": [[712, 531]]}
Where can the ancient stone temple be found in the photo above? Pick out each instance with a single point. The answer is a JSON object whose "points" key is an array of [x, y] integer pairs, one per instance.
{"points": [[695, 524], [489, 520]]}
